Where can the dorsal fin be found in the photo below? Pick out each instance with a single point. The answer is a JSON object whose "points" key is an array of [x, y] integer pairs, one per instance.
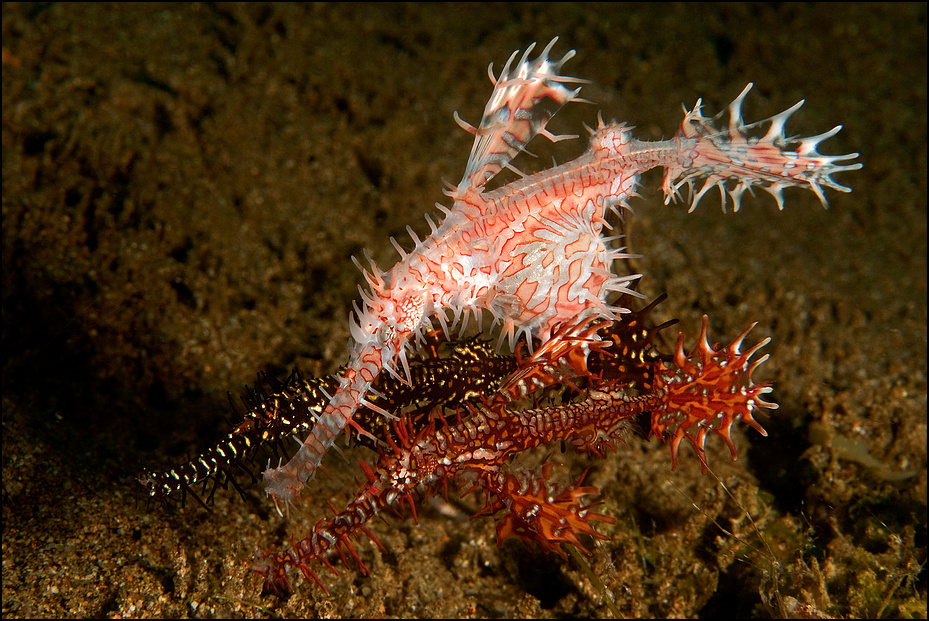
{"points": [[513, 116]]}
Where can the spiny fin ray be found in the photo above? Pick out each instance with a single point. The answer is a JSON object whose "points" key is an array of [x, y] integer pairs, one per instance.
{"points": [[513, 115]]}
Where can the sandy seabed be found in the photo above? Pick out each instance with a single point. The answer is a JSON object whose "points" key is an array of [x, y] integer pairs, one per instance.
{"points": [[184, 186]]}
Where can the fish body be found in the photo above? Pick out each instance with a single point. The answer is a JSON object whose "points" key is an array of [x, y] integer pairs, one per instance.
{"points": [[534, 253]]}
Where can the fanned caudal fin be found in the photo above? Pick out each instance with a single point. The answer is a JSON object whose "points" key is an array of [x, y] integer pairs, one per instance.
{"points": [[734, 159], [707, 391], [514, 115], [537, 513]]}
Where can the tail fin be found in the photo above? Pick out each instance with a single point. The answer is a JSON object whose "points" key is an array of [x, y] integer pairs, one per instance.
{"points": [[708, 391], [771, 162], [513, 115]]}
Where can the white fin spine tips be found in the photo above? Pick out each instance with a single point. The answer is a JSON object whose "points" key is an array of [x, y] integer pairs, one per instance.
{"points": [[808, 145], [776, 131], [376, 409], [413, 236], [432, 225], [398, 248], [358, 334], [445, 210], [490, 74], [736, 161], [511, 117], [556, 137], [367, 297], [464, 124], [408, 378], [735, 109], [443, 321]]}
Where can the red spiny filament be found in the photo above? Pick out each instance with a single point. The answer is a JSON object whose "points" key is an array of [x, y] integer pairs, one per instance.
{"points": [[707, 392], [474, 447]]}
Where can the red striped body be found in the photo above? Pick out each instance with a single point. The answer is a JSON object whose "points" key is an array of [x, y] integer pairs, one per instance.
{"points": [[532, 252]]}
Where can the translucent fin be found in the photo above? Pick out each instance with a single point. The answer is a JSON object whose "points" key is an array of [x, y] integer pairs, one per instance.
{"points": [[514, 114], [733, 158]]}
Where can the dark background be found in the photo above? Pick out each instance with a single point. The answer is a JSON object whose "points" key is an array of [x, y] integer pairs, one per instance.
{"points": [[184, 186]]}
